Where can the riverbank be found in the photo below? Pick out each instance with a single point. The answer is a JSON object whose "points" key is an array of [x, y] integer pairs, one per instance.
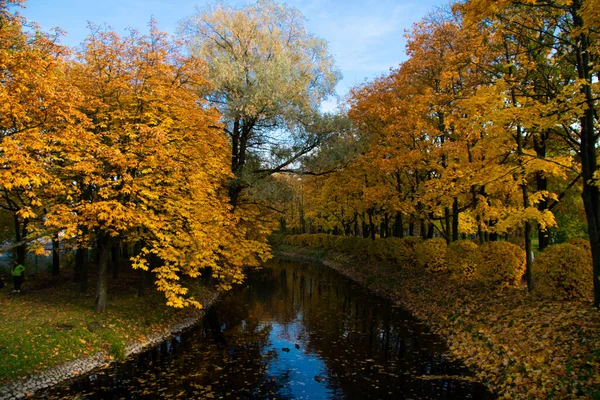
{"points": [[51, 333], [519, 345]]}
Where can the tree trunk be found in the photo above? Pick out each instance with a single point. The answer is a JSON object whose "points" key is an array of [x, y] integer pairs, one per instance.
{"points": [[282, 225], [528, 247], [398, 228], [141, 282], [21, 253], [455, 213], [525, 191], [587, 147], [591, 201], [422, 230], [302, 221], [542, 185], [591, 194], [126, 256], [235, 188], [104, 246], [371, 224], [528, 257], [385, 226], [114, 255], [20, 235], [55, 256], [77, 267], [447, 225], [85, 263], [430, 230]]}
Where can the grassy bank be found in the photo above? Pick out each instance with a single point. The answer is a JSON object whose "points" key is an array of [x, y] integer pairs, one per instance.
{"points": [[519, 344], [52, 322]]}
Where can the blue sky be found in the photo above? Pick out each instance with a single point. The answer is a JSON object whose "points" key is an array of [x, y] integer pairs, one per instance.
{"points": [[365, 37]]}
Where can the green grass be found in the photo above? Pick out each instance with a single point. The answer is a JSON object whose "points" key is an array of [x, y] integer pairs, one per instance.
{"points": [[53, 322]]}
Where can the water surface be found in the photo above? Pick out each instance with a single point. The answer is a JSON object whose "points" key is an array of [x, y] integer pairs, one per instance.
{"points": [[293, 331]]}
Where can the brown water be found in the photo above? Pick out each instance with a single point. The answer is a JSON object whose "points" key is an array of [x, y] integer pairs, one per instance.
{"points": [[293, 331]]}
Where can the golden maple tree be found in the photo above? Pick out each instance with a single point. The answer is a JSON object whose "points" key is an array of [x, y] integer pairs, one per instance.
{"points": [[151, 166]]}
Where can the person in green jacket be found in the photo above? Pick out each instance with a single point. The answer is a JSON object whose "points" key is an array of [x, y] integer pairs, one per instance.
{"points": [[17, 274]]}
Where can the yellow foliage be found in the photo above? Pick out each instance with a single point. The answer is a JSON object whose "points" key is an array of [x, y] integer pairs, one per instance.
{"points": [[403, 250], [390, 250], [564, 272], [500, 264], [379, 249], [318, 240], [155, 164], [297, 240], [431, 254], [583, 243], [348, 244], [461, 258]]}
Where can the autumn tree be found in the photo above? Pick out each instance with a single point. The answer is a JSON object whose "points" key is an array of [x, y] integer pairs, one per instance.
{"points": [[442, 122], [568, 34], [151, 165], [36, 119]]}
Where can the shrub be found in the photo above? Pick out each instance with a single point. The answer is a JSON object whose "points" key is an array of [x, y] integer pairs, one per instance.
{"points": [[412, 241], [277, 239], [396, 250], [361, 248], [348, 244], [316, 240], [380, 249], [339, 244], [431, 254], [583, 243], [298, 240], [291, 240], [461, 258], [330, 242], [311, 240], [500, 264], [564, 272], [402, 250]]}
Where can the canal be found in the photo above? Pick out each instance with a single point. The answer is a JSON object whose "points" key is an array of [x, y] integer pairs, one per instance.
{"points": [[293, 331]]}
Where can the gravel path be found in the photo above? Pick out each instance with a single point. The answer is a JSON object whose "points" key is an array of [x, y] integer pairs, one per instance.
{"points": [[27, 386]]}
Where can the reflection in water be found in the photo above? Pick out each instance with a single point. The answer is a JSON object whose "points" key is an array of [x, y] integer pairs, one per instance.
{"points": [[293, 331]]}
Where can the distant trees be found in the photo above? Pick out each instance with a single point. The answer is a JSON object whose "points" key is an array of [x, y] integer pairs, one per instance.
{"points": [[269, 76]]}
